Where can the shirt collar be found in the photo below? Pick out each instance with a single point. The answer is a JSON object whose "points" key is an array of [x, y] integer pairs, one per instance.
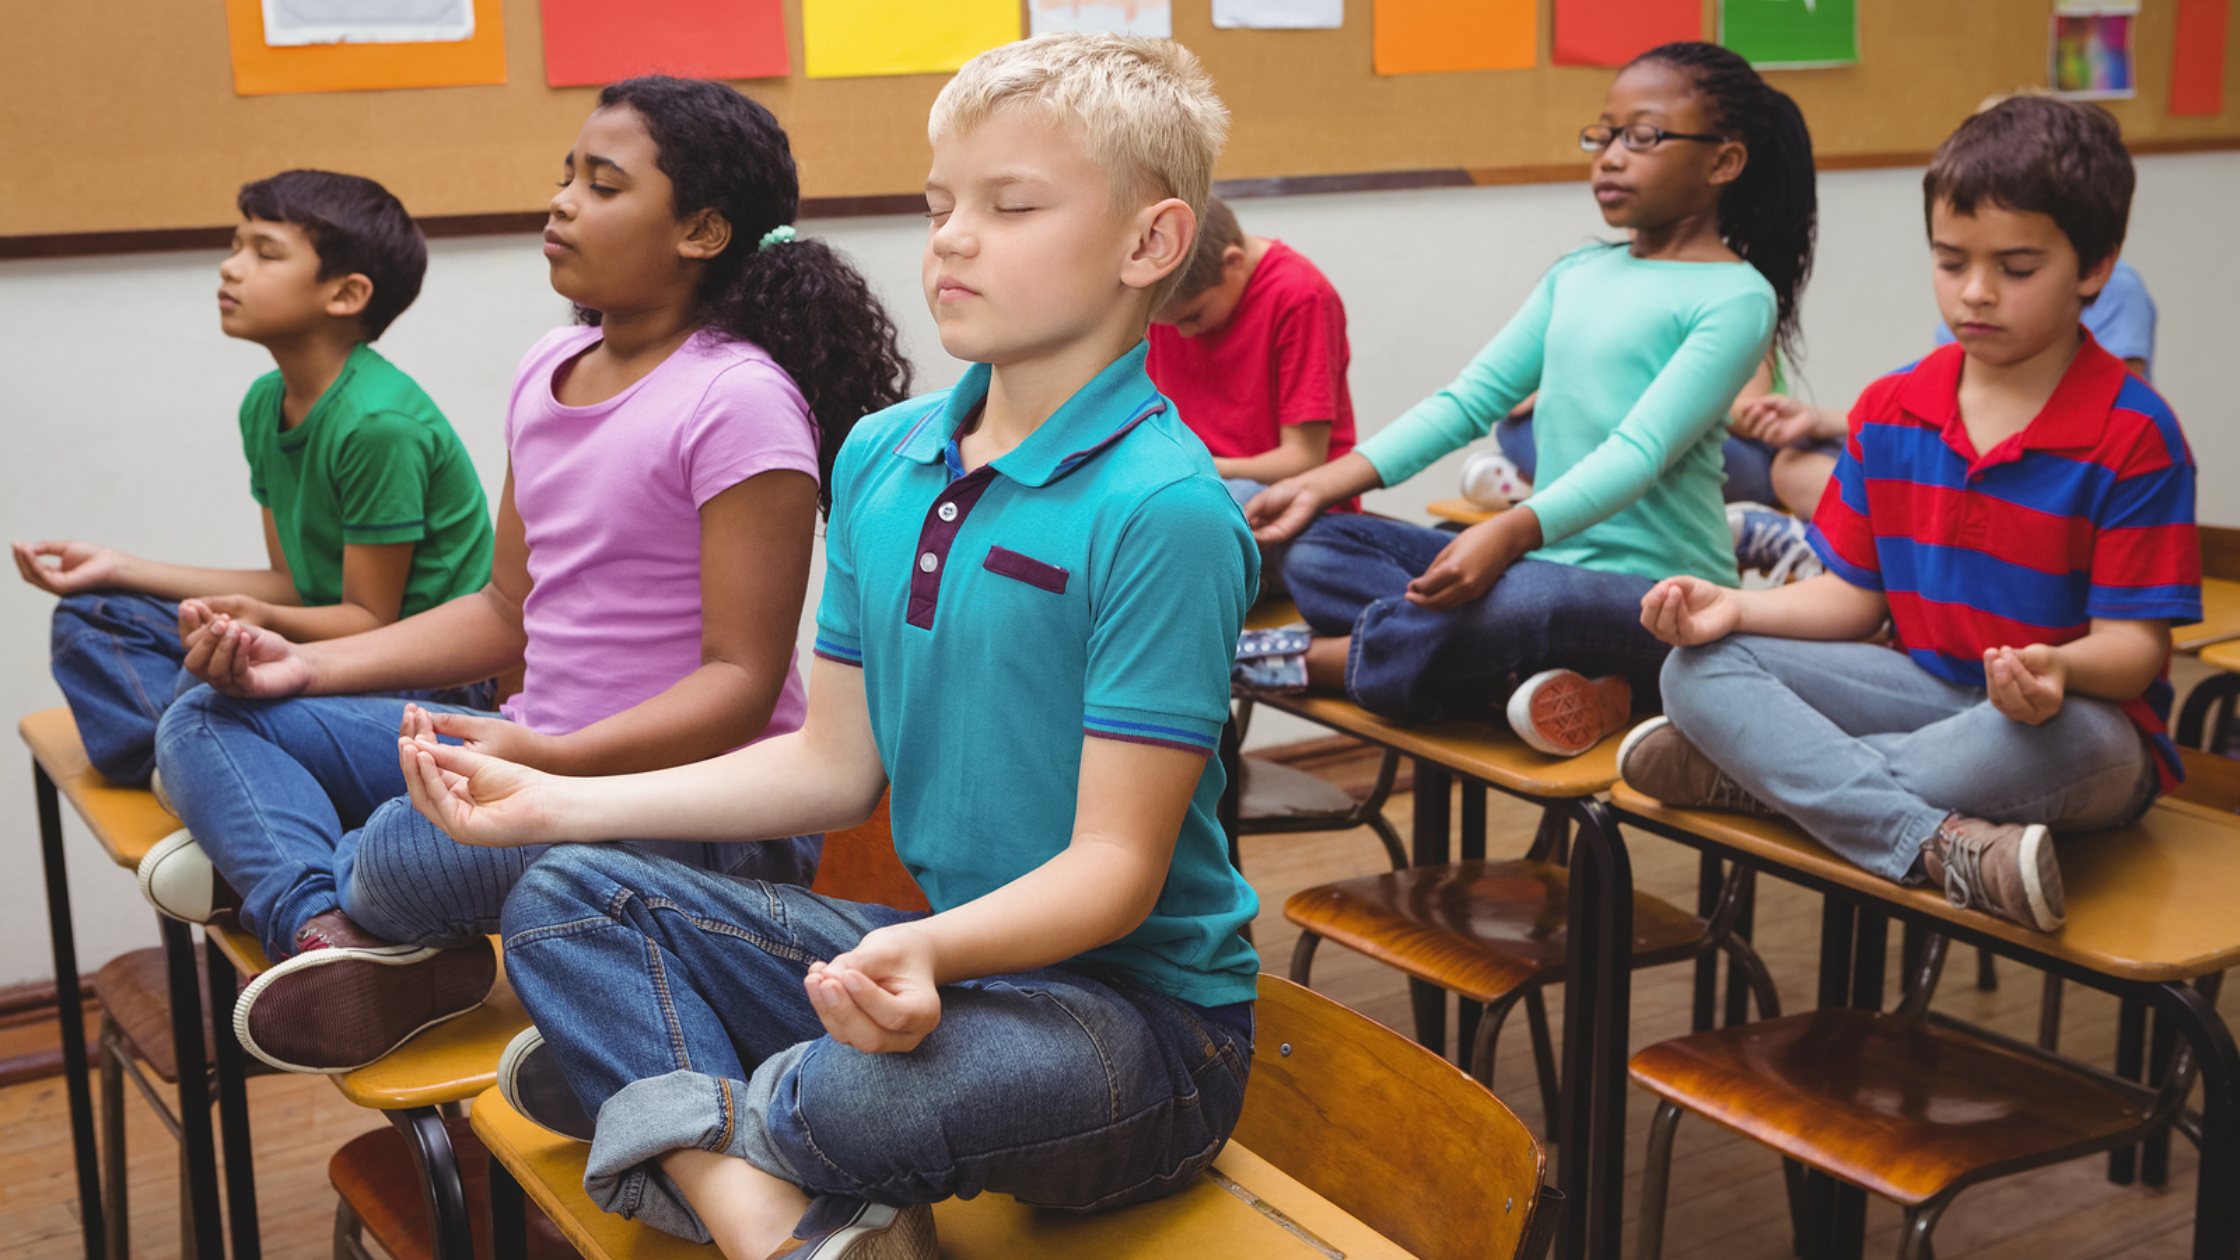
{"points": [[2074, 417], [1099, 414]]}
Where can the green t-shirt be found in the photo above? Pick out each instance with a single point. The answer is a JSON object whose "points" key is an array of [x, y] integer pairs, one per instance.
{"points": [[1636, 362], [374, 462]]}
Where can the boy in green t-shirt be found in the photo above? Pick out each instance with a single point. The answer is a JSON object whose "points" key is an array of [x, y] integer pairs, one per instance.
{"points": [[372, 510]]}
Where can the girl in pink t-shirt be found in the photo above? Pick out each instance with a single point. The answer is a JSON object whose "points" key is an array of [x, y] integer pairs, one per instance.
{"points": [[667, 459]]}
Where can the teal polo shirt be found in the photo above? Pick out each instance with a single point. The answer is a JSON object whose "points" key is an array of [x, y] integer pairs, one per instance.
{"points": [[1090, 582]]}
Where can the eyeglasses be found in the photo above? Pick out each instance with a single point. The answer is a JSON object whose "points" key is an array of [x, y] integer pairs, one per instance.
{"points": [[1639, 137]]}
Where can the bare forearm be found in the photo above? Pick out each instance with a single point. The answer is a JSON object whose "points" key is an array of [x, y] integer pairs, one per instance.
{"points": [[716, 707], [2117, 661], [465, 640], [1824, 607], [1344, 478], [310, 625], [1092, 894], [1300, 448], [787, 785], [181, 581]]}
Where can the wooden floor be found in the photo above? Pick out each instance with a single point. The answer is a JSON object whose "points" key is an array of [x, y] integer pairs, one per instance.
{"points": [[1726, 1196]]}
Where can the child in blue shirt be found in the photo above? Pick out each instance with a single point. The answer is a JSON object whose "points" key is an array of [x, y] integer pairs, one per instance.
{"points": [[1034, 582]]}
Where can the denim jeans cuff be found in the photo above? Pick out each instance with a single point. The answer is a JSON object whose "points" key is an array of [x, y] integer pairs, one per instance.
{"points": [[298, 906], [647, 1119]]}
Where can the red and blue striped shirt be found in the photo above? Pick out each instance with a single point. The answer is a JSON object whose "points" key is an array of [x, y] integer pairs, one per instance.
{"points": [[2086, 513]]}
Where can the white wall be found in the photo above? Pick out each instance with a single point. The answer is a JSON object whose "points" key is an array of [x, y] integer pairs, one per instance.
{"points": [[121, 393]]}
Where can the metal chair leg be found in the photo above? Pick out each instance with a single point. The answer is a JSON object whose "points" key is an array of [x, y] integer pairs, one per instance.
{"points": [[1915, 1243], [1753, 968], [1987, 970], [1488, 1036], [115, 1215], [1656, 1181], [1544, 1060], [1390, 837], [349, 1233], [1302, 958], [2049, 1015]]}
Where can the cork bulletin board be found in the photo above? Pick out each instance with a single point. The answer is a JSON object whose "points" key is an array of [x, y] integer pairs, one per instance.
{"points": [[122, 123]]}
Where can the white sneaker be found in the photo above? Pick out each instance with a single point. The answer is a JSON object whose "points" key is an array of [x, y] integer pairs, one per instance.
{"points": [[178, 879], [838, 1228], [1774, 543], [1564, 713], [1490, 479]]}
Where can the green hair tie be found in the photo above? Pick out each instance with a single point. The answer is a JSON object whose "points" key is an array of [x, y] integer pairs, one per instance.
{"points": [[778, 235]]}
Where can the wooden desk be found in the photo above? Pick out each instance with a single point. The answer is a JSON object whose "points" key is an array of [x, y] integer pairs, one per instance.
{"points": [[127, 822], [2149, 909], [1462, 511], [2220, 617]]}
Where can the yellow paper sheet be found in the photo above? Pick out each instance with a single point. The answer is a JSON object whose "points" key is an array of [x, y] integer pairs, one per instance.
{"points": [[850, 38]]}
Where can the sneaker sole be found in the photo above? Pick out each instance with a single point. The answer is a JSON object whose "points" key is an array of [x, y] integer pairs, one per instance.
{"points": [[1633, 740], [168, 850], [1563, 713], [391, 956], [2036, 856]]}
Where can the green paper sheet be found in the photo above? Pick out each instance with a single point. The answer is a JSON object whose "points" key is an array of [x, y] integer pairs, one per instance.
{"points": [[1791, 32]]}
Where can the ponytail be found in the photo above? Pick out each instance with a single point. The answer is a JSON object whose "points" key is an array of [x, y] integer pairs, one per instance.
{"points": [[803, 304], [1769, 214]]}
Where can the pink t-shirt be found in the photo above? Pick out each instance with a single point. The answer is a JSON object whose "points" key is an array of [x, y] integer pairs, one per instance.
{"points": [[610, 498]]}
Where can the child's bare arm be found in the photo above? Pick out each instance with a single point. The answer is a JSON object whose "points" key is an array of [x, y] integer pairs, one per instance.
{"points": [[82, 566], [1686, 611], [1299, 448], [373, 582]]}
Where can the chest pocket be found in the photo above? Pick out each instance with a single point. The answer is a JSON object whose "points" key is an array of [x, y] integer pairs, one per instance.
{"points": [[1005, 562]]}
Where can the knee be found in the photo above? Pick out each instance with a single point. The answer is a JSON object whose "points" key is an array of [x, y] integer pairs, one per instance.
{"points": [[1690, 673], [196, 712], [567, 883]]}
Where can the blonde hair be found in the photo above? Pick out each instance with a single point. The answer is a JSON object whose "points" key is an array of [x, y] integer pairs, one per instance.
{"points": [[1146, 107]]}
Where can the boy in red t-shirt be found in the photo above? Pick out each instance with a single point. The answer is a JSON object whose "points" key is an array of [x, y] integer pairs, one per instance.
{"points": [[1252, 349]]}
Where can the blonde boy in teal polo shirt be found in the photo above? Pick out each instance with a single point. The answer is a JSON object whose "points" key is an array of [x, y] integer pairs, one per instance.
{"points": [[1033, 586]]}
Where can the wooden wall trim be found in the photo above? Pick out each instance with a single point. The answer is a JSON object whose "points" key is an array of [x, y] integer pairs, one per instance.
{"points": [[162, 240]]}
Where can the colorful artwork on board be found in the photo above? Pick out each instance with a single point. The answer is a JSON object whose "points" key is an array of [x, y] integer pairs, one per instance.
{"points": [[265, 63], [2197, 66], [1791, 34], [294, 23], [1614, 32], [2092, 56], [1152, 19]]}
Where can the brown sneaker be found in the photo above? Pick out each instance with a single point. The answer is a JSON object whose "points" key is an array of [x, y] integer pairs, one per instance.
{"points": [[1657, 760], [1563, 713], [347, 997], [2006, 869]]}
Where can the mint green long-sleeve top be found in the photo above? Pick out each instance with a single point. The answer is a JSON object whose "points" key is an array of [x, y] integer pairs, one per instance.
{"points": [[1637, 362]]}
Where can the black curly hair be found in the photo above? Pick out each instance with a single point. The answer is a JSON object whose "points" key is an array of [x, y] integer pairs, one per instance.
{"points": [[355, 225], [804, 304], [1770, 213]]}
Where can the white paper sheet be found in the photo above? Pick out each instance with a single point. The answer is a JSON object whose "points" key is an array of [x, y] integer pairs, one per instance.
{"points": [[1151, 19], [292, 23], [1286, 15]]}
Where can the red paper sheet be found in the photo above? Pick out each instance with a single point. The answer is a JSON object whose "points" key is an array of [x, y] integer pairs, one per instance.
{"points": [[1614, 32], [599, 41], [2197, 70]]}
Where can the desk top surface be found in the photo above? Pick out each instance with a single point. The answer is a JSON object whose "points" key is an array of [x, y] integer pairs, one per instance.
{"points": [[1205, 1219], [2220, 616], [2153, 902], [126, 821], [1487, 751]]}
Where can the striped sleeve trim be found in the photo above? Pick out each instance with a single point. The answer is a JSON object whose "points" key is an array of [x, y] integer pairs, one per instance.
{"points": [[1163, 734], [834, 650]]}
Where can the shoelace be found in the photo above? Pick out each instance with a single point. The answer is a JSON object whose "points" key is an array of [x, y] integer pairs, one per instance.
{"points": [[1766, 537], [1798, 561], [1963, 868]]}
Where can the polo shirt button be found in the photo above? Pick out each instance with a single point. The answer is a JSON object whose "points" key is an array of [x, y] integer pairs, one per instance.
{"points": [[947, 511], [929, 562]]}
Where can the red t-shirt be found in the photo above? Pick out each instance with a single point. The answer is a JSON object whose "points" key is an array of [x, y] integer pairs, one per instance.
{"points": [[1281, 359]]}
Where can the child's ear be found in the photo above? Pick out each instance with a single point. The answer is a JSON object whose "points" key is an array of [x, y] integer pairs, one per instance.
{"points": [[349, 296], [1166, 231], [1727, 164], [2092, 281], [706, 234]]}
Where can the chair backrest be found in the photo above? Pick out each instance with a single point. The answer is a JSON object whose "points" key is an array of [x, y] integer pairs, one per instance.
{"points": [[859, 864], [1387, 1130]]}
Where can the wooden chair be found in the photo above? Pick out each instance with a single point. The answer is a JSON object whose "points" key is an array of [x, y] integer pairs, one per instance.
{"points": [[1353, 1141], [1494, 932], [1894, 1103], [152, 1011], [416, 1187]]}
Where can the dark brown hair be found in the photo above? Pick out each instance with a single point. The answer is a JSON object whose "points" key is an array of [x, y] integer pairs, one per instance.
{"points": [[356, 226], [2038, 155], [1217, 231]]}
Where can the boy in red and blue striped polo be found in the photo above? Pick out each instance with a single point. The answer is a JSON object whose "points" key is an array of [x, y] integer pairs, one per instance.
{"points": [[2020, 508]]}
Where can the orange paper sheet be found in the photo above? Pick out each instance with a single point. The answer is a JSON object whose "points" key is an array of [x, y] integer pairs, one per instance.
{"points": [[1430, 36], [260, 70], [2197, 69]]}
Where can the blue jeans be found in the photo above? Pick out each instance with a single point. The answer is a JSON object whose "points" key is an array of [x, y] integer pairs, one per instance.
{"points": [[1869, 752], [117, 659], [301, 806], [672, 998], [1749, 461], [1350, 575]]}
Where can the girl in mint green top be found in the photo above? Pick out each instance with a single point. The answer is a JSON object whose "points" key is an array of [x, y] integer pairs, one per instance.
{"points": [[1636, 352]]}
